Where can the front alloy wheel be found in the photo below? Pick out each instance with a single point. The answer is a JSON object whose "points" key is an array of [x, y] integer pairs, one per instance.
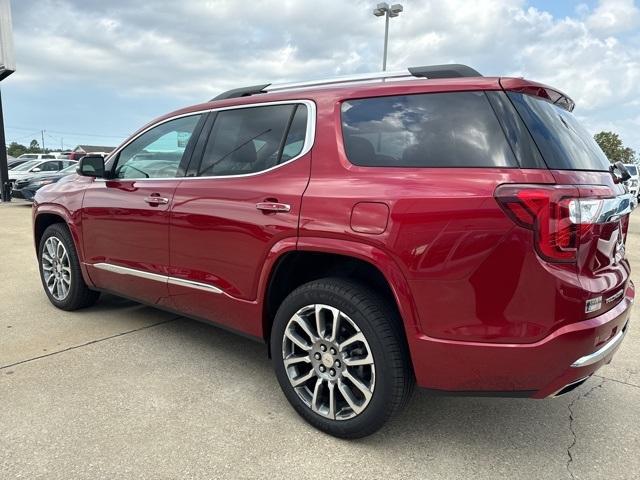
{"points": [[329, 362], [55, 268]]}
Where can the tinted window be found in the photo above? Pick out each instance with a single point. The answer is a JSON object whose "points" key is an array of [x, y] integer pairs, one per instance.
{"points": [[249, 140], [428, 130], [48, 156], [563, 142], [296, 136], [633, 170], [158, 152]]}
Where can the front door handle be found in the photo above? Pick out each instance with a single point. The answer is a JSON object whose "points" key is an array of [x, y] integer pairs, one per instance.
{"points": [[156, 199], [273, 207]]}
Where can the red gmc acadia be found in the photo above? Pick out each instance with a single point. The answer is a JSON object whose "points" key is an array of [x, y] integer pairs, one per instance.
{"points": [[431, 226]]}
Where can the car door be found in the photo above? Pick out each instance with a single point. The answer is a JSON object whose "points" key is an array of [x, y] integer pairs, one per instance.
{"points": [[237, 202], [125, 218], [47, 166]]}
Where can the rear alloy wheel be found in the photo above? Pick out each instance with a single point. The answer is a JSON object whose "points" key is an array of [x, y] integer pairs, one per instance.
{"points": [[340, 357], [329, 362]]}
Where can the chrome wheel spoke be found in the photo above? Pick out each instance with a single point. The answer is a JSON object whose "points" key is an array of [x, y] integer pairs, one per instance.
{"points": [[321, 327], [348, 396], [316, 392], [358, 337], [303, 378], [295, 338], [359, 385], [306, 328], [332, 401], [296, 359], [356, 362]]}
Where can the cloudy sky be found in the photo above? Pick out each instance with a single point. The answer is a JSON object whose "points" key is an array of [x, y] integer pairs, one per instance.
{"points": [[92, 71]]}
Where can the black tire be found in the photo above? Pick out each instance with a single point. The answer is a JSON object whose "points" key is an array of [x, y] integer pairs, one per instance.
{"points": [[382, 328], [78, 294]]}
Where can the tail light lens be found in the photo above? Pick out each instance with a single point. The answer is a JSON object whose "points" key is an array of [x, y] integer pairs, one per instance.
{"points": [[559, 215]]}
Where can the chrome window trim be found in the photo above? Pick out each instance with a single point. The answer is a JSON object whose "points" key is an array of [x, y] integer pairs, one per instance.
{"points": [[109, 267], [308, 141]]}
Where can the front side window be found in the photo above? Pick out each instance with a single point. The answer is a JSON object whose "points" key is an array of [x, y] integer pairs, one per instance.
{"points": [[158, 152], [457, 129], [26, 166], [52, 166], [250, 140]]}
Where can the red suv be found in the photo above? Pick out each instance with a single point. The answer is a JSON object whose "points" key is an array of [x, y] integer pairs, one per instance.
{"points": [[431, 226]]}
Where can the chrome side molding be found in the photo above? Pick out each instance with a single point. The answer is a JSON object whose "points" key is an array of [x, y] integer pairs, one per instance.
{"points": [[109, 267], [602, 352]]}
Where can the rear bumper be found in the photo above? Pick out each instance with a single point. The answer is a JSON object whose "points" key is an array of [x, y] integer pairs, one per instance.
{"points": [[541, 369]]}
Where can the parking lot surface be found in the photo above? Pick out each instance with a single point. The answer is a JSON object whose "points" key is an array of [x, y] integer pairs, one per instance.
{"points": [[128, 391]]}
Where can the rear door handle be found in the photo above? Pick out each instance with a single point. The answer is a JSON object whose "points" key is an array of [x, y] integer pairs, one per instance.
{"points": [[156, 200], [273, 207]]}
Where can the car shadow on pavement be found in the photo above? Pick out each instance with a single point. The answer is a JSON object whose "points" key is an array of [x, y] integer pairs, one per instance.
{"points": [[537, 426]]}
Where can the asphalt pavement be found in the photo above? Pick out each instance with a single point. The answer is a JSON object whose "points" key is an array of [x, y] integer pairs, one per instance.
{"points": [[122, 390]]}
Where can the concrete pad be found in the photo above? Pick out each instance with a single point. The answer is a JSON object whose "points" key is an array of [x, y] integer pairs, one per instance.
{"points": [[29, 325]]}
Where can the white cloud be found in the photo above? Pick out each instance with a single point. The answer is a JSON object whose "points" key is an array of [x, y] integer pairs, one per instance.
{"points": [[614, 16], [192, 49]]}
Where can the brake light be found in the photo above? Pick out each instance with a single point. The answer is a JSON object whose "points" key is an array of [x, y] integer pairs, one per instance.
{"points": [[559, 215]]}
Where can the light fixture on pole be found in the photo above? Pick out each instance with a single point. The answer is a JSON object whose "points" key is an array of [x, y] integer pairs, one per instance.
{"points": [[383, 9]]}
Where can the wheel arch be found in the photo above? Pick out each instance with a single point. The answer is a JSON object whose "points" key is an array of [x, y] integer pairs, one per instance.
{"points": [[44, 217], [321, 257]]}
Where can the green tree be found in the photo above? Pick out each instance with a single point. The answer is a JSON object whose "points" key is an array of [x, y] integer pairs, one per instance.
{"points": [[34, 146], [612, 146], [15, 149]]}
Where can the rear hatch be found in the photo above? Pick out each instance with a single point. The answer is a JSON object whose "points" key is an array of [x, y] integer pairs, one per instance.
{"points": [[582, 221]]}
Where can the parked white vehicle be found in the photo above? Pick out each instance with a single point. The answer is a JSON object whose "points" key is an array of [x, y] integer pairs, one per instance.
{"points": [[633, 184], [37, 156], [32, 167]]}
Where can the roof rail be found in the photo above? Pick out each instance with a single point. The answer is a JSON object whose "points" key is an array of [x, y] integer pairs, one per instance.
{"points": [[241, 92], [453, 70]]}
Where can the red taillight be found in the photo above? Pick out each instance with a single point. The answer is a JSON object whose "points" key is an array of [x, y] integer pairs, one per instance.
{"points": [[559, 215]]}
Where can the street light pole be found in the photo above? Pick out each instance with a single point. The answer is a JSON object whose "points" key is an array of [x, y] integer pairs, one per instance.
{"points": [[388, 12]]}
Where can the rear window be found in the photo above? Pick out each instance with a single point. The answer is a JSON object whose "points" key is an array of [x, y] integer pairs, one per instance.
{"points": [[456, 129], [563, 142], [633, 170]]}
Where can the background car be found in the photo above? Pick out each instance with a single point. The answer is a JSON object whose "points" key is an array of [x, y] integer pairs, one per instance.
{"points": [[633, 184], [31, 167], [26, 188], [37, 156]]}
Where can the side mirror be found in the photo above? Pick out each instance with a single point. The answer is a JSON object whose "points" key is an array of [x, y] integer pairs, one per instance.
{"points": [[91, 166], [36, 170]]}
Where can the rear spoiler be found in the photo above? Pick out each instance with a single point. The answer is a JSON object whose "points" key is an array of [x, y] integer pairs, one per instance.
{"points": [[536, 89]]}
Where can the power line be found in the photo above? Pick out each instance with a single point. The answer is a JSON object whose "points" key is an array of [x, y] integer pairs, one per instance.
{"points": [[69, 133]]}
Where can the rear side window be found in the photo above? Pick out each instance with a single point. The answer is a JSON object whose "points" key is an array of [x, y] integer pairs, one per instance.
{"points": [[456, 129], [563, 142], [251, 140]]}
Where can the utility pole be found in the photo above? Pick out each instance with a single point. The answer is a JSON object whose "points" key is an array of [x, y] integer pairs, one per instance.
{"points": [[388, 12], [42, 133]]}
